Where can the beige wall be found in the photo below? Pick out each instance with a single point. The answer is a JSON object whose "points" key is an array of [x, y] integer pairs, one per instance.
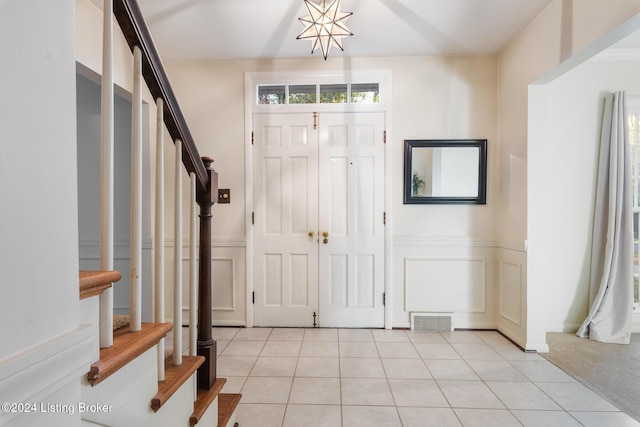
{"points": [[433, 97], [558, 33]]}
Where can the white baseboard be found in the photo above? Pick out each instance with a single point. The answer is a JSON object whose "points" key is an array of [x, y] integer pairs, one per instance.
{"points": [[229, 323], [565, 328]]}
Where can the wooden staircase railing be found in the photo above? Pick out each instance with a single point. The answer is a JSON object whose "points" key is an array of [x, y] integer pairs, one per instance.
{"points": [[135, 31]]}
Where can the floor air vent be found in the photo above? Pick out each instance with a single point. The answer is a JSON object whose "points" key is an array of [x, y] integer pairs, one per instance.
{"points": [[431, 321]]}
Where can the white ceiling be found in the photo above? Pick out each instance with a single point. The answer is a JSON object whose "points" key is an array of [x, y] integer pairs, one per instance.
{"points": [[204, 30]]}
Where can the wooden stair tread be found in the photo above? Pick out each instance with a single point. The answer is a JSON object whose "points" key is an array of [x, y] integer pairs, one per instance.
{"points": [[93, 283], [205, 397], [127, 346], [174, 377], [227, 403]]}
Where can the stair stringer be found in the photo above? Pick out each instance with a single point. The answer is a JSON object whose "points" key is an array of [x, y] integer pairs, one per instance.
{"points": [[127, 397]]}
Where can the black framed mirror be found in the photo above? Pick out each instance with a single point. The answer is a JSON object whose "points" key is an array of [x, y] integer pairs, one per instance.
{"points": [[445, 171]]}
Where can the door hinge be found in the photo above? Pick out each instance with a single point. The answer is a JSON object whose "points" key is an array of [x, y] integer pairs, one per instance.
{"points": [[384, 136], [253, 218], [315, 120], [253, 297], [384, 298], [384, 218], [251, 137]]}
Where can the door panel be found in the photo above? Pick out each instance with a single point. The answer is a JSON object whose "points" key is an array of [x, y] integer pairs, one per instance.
{"points": [[351, 262], [285, 202]]}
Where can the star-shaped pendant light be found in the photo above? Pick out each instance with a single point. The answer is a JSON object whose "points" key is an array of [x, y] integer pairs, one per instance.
{"points": [[325, 25]]}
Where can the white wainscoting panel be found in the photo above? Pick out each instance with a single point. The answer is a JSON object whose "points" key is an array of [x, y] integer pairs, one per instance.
{"points": [[224, 282], [512, 288], [222, 286], [445, 274], [445, 284], [510, 291], [228, 284]]}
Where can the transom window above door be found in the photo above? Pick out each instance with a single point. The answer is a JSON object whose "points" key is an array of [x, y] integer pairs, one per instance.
{"points": [[334, 93]]}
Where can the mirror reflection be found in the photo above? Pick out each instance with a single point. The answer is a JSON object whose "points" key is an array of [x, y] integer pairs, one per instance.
{"points": [[445, 171]]}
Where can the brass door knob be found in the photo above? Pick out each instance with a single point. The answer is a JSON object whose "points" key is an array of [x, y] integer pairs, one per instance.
{"points": [[311, 234], [325, 241], [325, 234]]}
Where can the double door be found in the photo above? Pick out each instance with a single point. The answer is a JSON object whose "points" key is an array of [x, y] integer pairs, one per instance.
{"points": [[318, 219]]}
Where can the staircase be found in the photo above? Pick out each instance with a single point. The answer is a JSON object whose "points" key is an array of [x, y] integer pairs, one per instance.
{"points": [[130, 382], [121, 387]]}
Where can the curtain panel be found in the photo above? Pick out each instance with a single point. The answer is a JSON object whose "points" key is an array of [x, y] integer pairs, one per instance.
{"points": [[611, 282]]}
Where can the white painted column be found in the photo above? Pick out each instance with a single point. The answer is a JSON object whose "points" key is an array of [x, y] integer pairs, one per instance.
{"points": [[158, 275], [193, 271], [106, 175], [135, 247], [177, 264]]}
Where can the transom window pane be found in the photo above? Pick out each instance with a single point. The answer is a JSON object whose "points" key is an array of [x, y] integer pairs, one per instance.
{"points": [[333, 94], [271, 94], [302, 94], [365, 93]]}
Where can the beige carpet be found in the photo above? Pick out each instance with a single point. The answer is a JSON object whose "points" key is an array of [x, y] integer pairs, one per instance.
{"points": [[120, 321], [612, 370]]}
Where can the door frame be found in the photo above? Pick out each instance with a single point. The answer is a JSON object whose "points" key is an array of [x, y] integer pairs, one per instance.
{"points": [[385, 78]]}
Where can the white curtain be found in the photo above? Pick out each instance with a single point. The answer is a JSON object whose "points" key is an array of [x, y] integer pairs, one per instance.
{"points": [[611, 284]]}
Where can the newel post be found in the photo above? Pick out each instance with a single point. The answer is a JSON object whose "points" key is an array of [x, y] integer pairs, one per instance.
{"points": [[206, 343]]}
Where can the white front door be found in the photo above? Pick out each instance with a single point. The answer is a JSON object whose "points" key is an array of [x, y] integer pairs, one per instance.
{"points": [[310, 182], [351, 220], [285, 212]]}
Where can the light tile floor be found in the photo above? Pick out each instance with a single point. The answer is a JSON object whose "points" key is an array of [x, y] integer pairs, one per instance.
{"points": [[373, 377]]}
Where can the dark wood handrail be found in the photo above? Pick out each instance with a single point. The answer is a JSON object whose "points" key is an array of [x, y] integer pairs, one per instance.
{"points": [[134, 28]]}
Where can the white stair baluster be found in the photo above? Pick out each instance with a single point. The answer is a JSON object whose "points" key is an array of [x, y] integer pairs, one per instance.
{"points": [[135, 246], [106, 175], [193, 271], [159, 232], [177, 265]]}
